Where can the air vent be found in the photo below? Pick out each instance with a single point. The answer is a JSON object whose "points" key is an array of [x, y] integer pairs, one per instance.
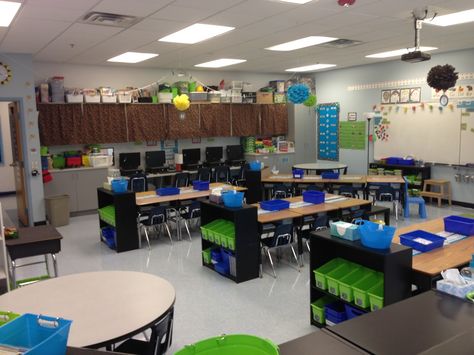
{"points": [[341, 43], [106, 19]]}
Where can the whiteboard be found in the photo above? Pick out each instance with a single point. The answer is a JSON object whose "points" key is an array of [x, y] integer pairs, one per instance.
{"points": [[467, 138], [428, 134]]}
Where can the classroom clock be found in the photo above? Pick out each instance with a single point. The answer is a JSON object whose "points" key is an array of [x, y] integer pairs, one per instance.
{"points": [[5, 73], [443, 100]]}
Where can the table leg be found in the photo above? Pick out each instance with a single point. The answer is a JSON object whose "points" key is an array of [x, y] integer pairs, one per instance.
{"points": [[13, 273], [386, 215], [46, 264], [299, 240], [55, 265]]}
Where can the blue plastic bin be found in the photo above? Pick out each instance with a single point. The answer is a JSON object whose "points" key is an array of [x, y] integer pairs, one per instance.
{"points": [[39, 335], [200, 185], [44, 163], [330, 175], [216, 256], [335, 312], [108, 236], [233, 199], [298, 173], [119, 185], [352, 312], [376, 236], [315, 197], [399, 161], [167, 191], [421, 240], [222, 268], [459, 225], [274, 205], [255, 165]]}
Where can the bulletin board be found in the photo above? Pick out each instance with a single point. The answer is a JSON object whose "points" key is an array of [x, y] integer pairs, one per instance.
{"points": [[328, 131], [352, 135], [428, 132]]}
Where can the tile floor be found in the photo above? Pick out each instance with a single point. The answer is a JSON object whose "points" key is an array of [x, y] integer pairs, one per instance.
{"points": [[206, 304]]}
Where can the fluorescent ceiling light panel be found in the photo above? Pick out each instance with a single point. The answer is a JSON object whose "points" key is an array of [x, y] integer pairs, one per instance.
{"points": [[297, 1], [301, 43], [132, 57], [219, 63], [196, 33], [311, 67], [8, 11], [399, 52], [455, 18]]}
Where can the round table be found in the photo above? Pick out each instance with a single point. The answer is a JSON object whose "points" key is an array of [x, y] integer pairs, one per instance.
{"points": [[319, 167], [105, 307]]}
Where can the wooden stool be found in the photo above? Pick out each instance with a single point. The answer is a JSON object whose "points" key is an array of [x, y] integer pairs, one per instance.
{"points": [[441, 193]]}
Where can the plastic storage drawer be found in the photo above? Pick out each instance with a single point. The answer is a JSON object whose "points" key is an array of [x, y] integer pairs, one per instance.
{"points": [[352, 312], [421, 240], [459, 225], [318, 308], [346, 283], [321, 272], [360, 288], [335, 313], [335, 276]]}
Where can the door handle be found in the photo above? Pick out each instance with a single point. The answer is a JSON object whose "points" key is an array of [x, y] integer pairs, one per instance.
{"points": [[14, 164]]}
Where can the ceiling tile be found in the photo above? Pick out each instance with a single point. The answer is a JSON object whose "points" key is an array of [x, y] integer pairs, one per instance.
{"points": [[126, 7], [66, 4], [182, 14], [57, 13]]}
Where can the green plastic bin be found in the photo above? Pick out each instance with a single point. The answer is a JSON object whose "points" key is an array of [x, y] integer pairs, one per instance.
{"points": [[214, 229], [334, 276], [59, 162], [206, 256], [376, 296], [360, 288], [107, 214], [237, 344], [321, 272], [206, 229], [6, 317], [318, 308], [346, 283], [231, 242]]}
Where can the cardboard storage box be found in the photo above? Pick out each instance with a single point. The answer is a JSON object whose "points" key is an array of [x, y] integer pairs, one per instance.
{"points": [[198, 96], [74, 98], [264, 97], [279, 98]]}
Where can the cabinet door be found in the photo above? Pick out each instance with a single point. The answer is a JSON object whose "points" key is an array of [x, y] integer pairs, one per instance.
{"points": [[215, 120], [63, 183], [187, 127], [245, 120], [87, 183], [146, 122], [60, 124], [274, 119], [104, 123]]}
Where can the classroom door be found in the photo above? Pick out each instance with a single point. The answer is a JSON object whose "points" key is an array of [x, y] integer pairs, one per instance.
{"points": [[18, 163]]}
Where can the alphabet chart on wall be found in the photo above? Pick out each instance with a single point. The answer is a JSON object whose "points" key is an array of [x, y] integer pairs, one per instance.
{"points": [[328, 131]]}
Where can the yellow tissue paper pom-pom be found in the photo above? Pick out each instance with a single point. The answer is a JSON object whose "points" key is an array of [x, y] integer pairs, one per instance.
{"points": [[200, 88], [181, 102]]}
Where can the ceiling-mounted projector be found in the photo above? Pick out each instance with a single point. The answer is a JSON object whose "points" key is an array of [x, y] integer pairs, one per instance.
{"points": [[416, 57]]}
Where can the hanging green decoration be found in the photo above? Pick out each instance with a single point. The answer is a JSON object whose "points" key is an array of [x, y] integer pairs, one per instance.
{"points": [[310, 101]]}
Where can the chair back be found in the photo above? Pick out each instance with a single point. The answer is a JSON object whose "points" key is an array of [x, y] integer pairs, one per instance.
{"points": [[138, 183], [204, 174], [161, 334], [320, 222], [348, 191], [157, 215], [385, 193], [281, 191], [194, 210], [181, 180], [222, 174], [315, 188], [283, 235]]}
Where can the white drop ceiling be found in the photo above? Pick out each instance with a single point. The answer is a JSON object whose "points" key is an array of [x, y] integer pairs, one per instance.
{"points": [[52, 31]]}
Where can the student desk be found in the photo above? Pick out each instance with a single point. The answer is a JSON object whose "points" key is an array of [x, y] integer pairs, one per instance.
{"points": [[417, 325], [34, 241], [320, 167], [427, 266], [386, 179], [106, 307]]}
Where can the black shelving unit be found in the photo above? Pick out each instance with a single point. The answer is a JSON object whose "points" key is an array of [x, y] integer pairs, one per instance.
{"points": [[247, 244], [126, 236], [395, 263], [424, 171], [253, 183]]}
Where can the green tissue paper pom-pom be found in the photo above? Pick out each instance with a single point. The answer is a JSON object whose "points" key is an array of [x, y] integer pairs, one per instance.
{"points": [[310, 101]]}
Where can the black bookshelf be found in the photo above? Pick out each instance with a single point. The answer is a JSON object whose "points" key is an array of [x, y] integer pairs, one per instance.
{"points": [[125, 218], [253, 183], [395, 263], [247, 244], [423, 171]]}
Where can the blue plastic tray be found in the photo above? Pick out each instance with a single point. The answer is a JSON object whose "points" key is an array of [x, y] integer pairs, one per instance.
{"points": [[167, 191], [409, 239], [352, 312], [335, 312], [298, 173], [329, 175], [399, 161], [274, 205], [459, 225], [200, 185], [38, 334], [108, 236], [119, 185], [315, 197]]}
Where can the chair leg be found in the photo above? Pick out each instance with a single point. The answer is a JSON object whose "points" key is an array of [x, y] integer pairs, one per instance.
{"points": [[187, 229], [169, 233], [46, 264], [271, 263], [147, 239], [296, 257], [307, 245]]}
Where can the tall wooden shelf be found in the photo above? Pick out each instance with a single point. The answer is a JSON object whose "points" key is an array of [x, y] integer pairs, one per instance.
{"points": [[125, 218], [247, 244], [395, 264]]}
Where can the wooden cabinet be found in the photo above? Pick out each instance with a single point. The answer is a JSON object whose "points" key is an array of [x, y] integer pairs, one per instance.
{"points": [[245, 120], [274, 119], [146, 122], [80, 185], [215, 120], [183, 127]]}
